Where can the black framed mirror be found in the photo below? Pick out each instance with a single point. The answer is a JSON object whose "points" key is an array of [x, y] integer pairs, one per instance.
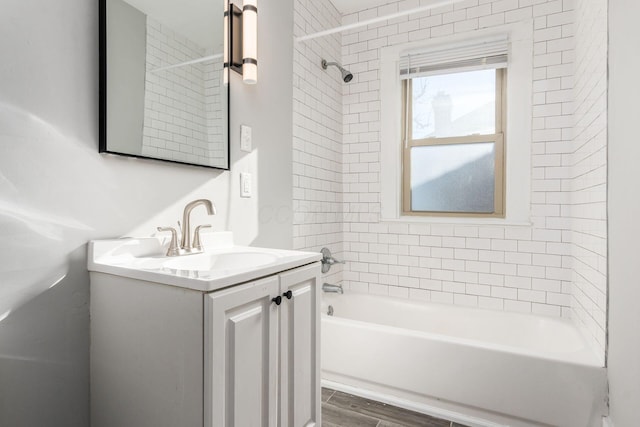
{"points": [[163, 94]]}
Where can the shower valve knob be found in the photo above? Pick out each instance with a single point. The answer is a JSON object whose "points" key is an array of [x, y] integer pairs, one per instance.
{"points": [[288, 294], [328, 260]]}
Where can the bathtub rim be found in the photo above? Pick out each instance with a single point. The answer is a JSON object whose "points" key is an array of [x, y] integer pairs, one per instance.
{"points": [[588, 356], [461, 404], [429, 402]]}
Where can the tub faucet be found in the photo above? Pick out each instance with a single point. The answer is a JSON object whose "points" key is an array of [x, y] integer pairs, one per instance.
{"points": [[328, 260], [185, 243], [337, 289]]}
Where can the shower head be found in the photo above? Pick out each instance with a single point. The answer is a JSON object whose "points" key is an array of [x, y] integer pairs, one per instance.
{"points": [[346, 75]]}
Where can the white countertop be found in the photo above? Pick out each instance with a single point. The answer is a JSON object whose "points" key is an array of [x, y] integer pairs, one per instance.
{"points": [[220, 266]]}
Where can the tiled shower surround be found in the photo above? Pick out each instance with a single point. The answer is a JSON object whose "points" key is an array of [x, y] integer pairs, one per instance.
{"points": [[317, 135], [557, 265], [588, 160]]}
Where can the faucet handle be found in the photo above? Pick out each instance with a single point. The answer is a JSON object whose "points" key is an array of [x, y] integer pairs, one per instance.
{"points": [[197, 240], [173, 250], [328, 260]]}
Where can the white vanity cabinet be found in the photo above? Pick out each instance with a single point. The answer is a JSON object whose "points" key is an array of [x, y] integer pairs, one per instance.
{"points": [[169, 356], [261, 352]]}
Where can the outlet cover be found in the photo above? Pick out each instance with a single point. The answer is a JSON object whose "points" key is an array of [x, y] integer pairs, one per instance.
{"points": [[245, 184], [245, 138]]}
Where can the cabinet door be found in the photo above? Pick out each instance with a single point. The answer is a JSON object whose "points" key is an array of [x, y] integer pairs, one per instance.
{"points": [[300, 348], [241, 345]]}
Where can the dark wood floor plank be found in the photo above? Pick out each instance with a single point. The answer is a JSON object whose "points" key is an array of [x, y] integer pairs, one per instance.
{"points": [[326, 394], [345, 418], [385, 412]]}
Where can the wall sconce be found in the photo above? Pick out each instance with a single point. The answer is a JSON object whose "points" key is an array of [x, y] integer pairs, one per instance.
{"points": [[225, 45], [243, 40], [250, 42]]}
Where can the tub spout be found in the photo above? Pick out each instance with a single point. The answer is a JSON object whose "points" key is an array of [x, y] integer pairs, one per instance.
{"points": [[337, 289]]}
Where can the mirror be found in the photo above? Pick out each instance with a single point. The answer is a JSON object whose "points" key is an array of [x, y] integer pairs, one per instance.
{"points": [[162, 94]]}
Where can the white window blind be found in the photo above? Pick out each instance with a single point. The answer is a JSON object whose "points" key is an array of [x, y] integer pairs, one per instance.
{"points": [[488, 53]]}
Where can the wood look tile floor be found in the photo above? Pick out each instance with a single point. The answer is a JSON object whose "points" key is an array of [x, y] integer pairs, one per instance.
{"points": [[345, 410]]}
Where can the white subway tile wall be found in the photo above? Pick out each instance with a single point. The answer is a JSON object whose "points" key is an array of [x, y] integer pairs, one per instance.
{"points": [[183, 106], [557, 266], [317, 134], [588, 166]]}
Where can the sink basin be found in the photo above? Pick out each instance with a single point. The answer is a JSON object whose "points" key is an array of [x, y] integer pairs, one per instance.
{"points": [[220, 261], [222, 264]]}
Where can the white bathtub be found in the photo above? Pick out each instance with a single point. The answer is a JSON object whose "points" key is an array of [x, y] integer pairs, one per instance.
{"points": [[479, 367]]}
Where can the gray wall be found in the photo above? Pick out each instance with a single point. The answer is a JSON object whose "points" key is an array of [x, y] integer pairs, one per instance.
{"points": [[57, 192], [624, 213], [126, 67]]}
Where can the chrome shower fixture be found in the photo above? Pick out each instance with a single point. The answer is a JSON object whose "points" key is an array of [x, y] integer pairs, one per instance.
{"points": [[346, 75]]}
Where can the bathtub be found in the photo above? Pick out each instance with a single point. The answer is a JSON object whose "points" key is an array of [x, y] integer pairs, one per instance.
{"points": [[477, 367]]}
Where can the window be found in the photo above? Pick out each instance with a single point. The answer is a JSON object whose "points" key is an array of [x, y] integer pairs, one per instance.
{"points": [[453, 120]]}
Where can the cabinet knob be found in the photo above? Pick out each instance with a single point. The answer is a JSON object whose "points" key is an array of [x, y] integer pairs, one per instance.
{"points": [[288, 294], [277, 300]]}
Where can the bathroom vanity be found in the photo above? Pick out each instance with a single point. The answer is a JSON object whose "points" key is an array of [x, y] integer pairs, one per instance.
{"points": [[228, 337]]}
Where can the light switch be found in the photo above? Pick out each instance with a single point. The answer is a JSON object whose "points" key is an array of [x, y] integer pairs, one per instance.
{"points": [[245, 138], [245, 184]]}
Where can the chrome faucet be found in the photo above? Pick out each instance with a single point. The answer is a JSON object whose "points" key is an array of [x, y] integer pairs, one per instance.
{"points": [[337, 289], [328, 260], [185, 243]]}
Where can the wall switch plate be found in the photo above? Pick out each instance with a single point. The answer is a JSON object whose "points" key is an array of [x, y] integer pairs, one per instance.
{"points": [[245, 184], [245, 138]]}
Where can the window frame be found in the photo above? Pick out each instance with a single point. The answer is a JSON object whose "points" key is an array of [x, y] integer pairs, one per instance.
{"points": [[407, 143]]}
